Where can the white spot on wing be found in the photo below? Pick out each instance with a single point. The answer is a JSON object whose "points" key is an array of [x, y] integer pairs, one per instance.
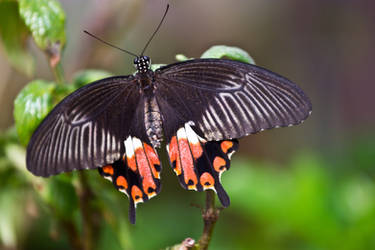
{"points": [[191, 135], [108, 178], [123, 191], [181, 134], [230, 154], [151, 195], [137, 143], [129, 147], [207, 188], [140, 200]]}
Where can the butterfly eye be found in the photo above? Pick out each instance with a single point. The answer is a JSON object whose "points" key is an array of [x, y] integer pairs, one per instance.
{"points": [[136, 60], [146, 58]]}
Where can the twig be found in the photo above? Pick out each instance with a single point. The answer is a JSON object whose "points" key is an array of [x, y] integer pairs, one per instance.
{"points": [[210, 216]]}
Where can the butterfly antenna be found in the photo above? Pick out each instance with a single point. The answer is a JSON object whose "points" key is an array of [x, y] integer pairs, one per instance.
{"points": [[149, 40], [111, 45]]}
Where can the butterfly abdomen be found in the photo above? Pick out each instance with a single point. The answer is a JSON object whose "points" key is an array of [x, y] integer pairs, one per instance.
{"points": [[153, 121]]}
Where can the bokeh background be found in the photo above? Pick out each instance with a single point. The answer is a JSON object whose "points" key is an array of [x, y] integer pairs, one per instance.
{"points": [[305, 187]]}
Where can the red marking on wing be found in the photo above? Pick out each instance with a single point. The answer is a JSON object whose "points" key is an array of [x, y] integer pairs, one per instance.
{"points": [[144, 170], [196, 150], [108, 170], [121, 182], [207, 180], [219, 164], [173, 155], [226, 145], [187, 164], [131, 163], [136, 194], [153, 159]]}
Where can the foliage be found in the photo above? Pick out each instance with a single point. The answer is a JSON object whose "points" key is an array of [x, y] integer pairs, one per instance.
{"points": [[32, 104], [302, 204], [234, 53], [46, 21], [14, 34], [84, 77]]}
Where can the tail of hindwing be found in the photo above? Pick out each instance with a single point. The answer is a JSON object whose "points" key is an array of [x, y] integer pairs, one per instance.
{"points": [[137, 174], [199, 163]]}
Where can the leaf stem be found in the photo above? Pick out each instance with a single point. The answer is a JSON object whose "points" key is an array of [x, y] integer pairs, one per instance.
{"points": [[53, 52], [58, 73], [210, 215]]}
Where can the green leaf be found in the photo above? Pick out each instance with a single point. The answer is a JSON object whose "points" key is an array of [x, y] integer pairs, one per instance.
{"points": [[12, 216], [46, 21], [156, 66], [84, 77], [30, 106], [233, 53], [14, 34], [33, 103], [181, 58], [60, 194]]}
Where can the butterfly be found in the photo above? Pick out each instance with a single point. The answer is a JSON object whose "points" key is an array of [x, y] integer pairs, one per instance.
{"points": [[199, 107]]}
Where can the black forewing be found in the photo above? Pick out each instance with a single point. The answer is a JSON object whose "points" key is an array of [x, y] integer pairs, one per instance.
{"points": [[227, 99], [85, 130]]}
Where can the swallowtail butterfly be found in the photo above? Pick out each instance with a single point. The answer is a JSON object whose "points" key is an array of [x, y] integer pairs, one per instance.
{"points": [[199, 107]]}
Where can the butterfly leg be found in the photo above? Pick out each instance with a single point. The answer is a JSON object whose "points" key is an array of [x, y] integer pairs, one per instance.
{"points": [[137, 174]]}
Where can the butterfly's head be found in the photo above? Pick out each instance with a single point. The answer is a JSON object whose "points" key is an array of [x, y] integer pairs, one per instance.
{"points": [[142, 63]]}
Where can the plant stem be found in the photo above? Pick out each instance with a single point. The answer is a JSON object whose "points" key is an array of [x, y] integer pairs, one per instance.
{"points": [[58, 73], [89, 214], [73, 235], [53, 53], [210, 215]]}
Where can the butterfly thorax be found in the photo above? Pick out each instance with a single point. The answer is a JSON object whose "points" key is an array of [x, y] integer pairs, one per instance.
{"points": [[146, 82]]}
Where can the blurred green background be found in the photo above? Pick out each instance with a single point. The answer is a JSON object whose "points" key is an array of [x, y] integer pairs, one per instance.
{"points": [[305, 187]]}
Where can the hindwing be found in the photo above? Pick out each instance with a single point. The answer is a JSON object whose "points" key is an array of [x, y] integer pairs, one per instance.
{"points": [[199, 163], [137, 173]]}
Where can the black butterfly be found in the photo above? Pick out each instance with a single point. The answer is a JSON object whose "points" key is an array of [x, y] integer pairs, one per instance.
{"points": [[199, 107]]}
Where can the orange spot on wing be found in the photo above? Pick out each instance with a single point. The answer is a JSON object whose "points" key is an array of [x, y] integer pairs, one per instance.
{"points": [[121, 182], [207, 180], [108, 169], [152, 158], [219, 164], [226, 145], [196, 150], [137, 194], [131, 163], [187, 164], [173, 149], [144, 170], [174, 156]]}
